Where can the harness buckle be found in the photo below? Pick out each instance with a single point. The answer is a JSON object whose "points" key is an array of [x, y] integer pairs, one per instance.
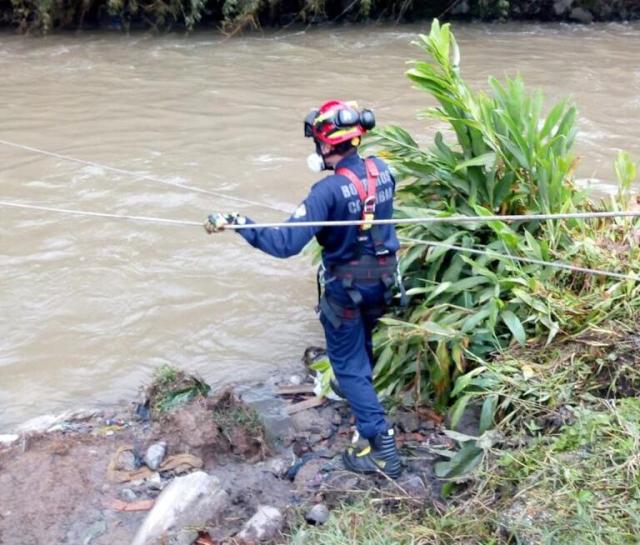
{"points": [[368, 212]]}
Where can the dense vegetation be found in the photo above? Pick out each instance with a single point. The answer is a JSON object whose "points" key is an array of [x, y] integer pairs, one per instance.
{"points": [[504, 158], [468, 305], [234, 15], [544, 360]]}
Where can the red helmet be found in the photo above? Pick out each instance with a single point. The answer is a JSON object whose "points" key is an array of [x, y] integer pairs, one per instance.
{"points": [[337, 121]]}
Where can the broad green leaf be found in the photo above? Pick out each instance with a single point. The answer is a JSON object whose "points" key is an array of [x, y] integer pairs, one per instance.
{"points": [[533, 244], [463, 381], [461, 465], [436, 329], [467, 283], [552, 119], [514, 325], [470, 323], [458, 409], [438, 290], [529, 300], [487, 413], [454, 271], [486, 160]]}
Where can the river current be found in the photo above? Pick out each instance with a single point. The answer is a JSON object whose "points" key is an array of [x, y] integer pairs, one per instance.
{"points": [[89, 306]]}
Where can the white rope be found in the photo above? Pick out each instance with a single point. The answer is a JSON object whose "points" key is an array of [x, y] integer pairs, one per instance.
{"points": [[142, 176], [100, 214], [555, 264], [399, 221], [490, 253], [439, 219], [345, 223]]}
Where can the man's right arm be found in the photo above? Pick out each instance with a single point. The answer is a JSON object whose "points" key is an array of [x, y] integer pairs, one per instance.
{"points": [[288, 241]]}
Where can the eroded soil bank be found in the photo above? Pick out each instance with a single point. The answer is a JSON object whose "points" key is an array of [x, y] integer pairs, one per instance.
{"points": [[93, 477]]}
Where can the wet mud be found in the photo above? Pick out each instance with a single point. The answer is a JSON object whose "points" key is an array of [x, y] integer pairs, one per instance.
{"points": [[89, 478]]}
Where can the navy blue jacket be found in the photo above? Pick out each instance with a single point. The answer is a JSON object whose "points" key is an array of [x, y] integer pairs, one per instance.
{"points": [[332, 198]]}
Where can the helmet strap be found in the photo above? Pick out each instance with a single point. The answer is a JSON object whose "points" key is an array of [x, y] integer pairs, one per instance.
{"points": [[319, 163]]}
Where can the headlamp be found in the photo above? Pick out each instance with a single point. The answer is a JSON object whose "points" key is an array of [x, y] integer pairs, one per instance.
{"points": [[367, 119], [346, 118], [350, 118]]}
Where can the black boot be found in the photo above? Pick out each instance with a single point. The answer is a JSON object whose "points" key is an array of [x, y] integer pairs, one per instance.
{"points": [[380, 456]]}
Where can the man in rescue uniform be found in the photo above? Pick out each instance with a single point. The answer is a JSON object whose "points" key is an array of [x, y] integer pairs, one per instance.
{"points": [[359, 265]]}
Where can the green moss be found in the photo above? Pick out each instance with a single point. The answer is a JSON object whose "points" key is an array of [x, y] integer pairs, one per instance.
{"points": [[238, 416], [172, 388]]}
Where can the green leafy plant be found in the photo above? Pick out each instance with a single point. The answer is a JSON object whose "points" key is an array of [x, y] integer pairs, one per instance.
{"points": [[506, 158], [471, 298], [172, 388], [626, 172], [324, 376]]}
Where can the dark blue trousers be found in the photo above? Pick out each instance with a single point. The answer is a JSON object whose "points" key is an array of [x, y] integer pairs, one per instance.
{"points": [[349, 347]]}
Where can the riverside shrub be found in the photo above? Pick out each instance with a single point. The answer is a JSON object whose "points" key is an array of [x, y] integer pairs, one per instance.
{"points": [[500, 155], [234, 15]]}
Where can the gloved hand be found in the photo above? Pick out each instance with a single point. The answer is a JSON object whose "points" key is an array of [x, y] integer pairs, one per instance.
{"points": [[217, 222]]}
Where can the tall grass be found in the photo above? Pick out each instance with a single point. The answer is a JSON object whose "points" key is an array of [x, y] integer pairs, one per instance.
{"points": [[577, 487]]}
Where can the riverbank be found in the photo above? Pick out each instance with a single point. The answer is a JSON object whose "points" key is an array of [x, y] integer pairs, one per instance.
{"points": [[262, 464], [232, 16]]}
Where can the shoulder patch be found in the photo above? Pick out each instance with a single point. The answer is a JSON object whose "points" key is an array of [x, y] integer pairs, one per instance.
{"points": [[300, 212]]}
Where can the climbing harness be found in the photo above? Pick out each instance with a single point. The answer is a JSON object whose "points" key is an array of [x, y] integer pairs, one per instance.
{"points": [[363, 268], [368, 205], [366, 269]]}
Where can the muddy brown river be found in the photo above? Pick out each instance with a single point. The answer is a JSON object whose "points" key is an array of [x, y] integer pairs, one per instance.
{"points": [[91, 306]]}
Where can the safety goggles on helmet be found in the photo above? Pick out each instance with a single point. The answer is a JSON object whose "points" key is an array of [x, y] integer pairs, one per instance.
{"points": [[336, 122]]}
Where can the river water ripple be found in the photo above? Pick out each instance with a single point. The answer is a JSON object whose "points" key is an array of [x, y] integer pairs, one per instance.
{"points": [[90, 307]]}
